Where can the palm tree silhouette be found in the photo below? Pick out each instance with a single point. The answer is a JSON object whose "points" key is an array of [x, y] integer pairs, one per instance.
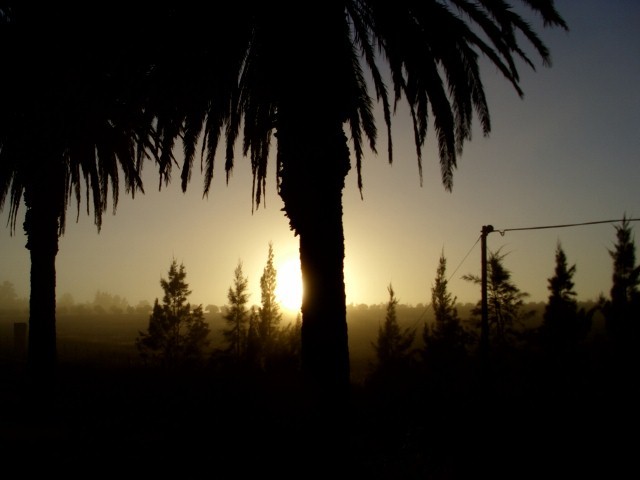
{"points": [[265, 69], [68, 129]]}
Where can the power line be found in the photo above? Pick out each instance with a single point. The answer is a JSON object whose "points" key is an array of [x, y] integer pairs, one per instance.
{"points": [[486, 229], [450, 277], [465, 257], [502, 232]]}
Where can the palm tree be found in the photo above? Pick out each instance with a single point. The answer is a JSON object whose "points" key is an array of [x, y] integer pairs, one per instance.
{"points": [[299, 75], [66, 123]]}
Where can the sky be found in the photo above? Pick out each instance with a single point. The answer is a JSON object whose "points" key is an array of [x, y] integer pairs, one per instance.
{"points": [[566, 153]]}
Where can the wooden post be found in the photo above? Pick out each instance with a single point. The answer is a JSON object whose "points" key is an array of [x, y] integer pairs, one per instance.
{"points": [[484, 325]]}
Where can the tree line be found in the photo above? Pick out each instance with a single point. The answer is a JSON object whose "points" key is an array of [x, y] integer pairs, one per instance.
{"points": [[253, 337], [564, 324]]}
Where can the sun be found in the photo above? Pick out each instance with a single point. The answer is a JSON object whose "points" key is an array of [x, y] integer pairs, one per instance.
{"points": [[289, 284]]}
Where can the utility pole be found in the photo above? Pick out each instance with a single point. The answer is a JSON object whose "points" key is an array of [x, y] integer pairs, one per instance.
{"points": [[484, 324]]}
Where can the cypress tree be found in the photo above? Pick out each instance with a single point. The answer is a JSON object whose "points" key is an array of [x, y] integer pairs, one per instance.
{"points": [[622, 311], [445, 340], [269, 312], [561, 323], [236, 315], [393, 344], [177, 333], [504, 300]]}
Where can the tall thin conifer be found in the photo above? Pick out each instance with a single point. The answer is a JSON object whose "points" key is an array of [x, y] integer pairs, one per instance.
{"points": [[237, 314]]}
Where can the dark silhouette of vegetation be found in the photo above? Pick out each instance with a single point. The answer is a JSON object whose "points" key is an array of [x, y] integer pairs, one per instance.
{"points": [[393, 346], [71, 119], [236, 317], [505, 302], [253, 351], [563, 325], [269, 312], [408, 424], [445, 340], [279, 345], [177, 333], [254, 337], [622, 310], [432, 52], [98, 115]]}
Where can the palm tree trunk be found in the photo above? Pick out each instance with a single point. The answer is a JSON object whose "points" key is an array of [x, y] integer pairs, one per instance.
{"points": [[311, 180], [41, 227]]}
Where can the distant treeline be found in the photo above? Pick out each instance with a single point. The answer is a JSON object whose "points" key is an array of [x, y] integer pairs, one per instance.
{"points": [[107, 303]]}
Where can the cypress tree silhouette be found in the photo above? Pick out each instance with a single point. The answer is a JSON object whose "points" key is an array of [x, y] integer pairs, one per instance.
{"points": [[563, 324], [177, 334], [269, 312], [236, 316], [622, 310], [505, 301], [393, 344], [445, 342]]}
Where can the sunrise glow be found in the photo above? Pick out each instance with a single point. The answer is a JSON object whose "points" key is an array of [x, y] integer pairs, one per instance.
{"points": [[289, 284]]}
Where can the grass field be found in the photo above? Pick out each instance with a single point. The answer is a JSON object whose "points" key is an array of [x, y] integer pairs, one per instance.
{"points": [[106, 414]]}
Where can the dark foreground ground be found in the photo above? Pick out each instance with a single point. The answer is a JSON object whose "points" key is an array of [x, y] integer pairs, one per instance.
{"points": [[521, 421]]}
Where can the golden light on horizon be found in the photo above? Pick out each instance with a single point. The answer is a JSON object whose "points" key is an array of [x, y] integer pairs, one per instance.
{"points": [[289, 284]]}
